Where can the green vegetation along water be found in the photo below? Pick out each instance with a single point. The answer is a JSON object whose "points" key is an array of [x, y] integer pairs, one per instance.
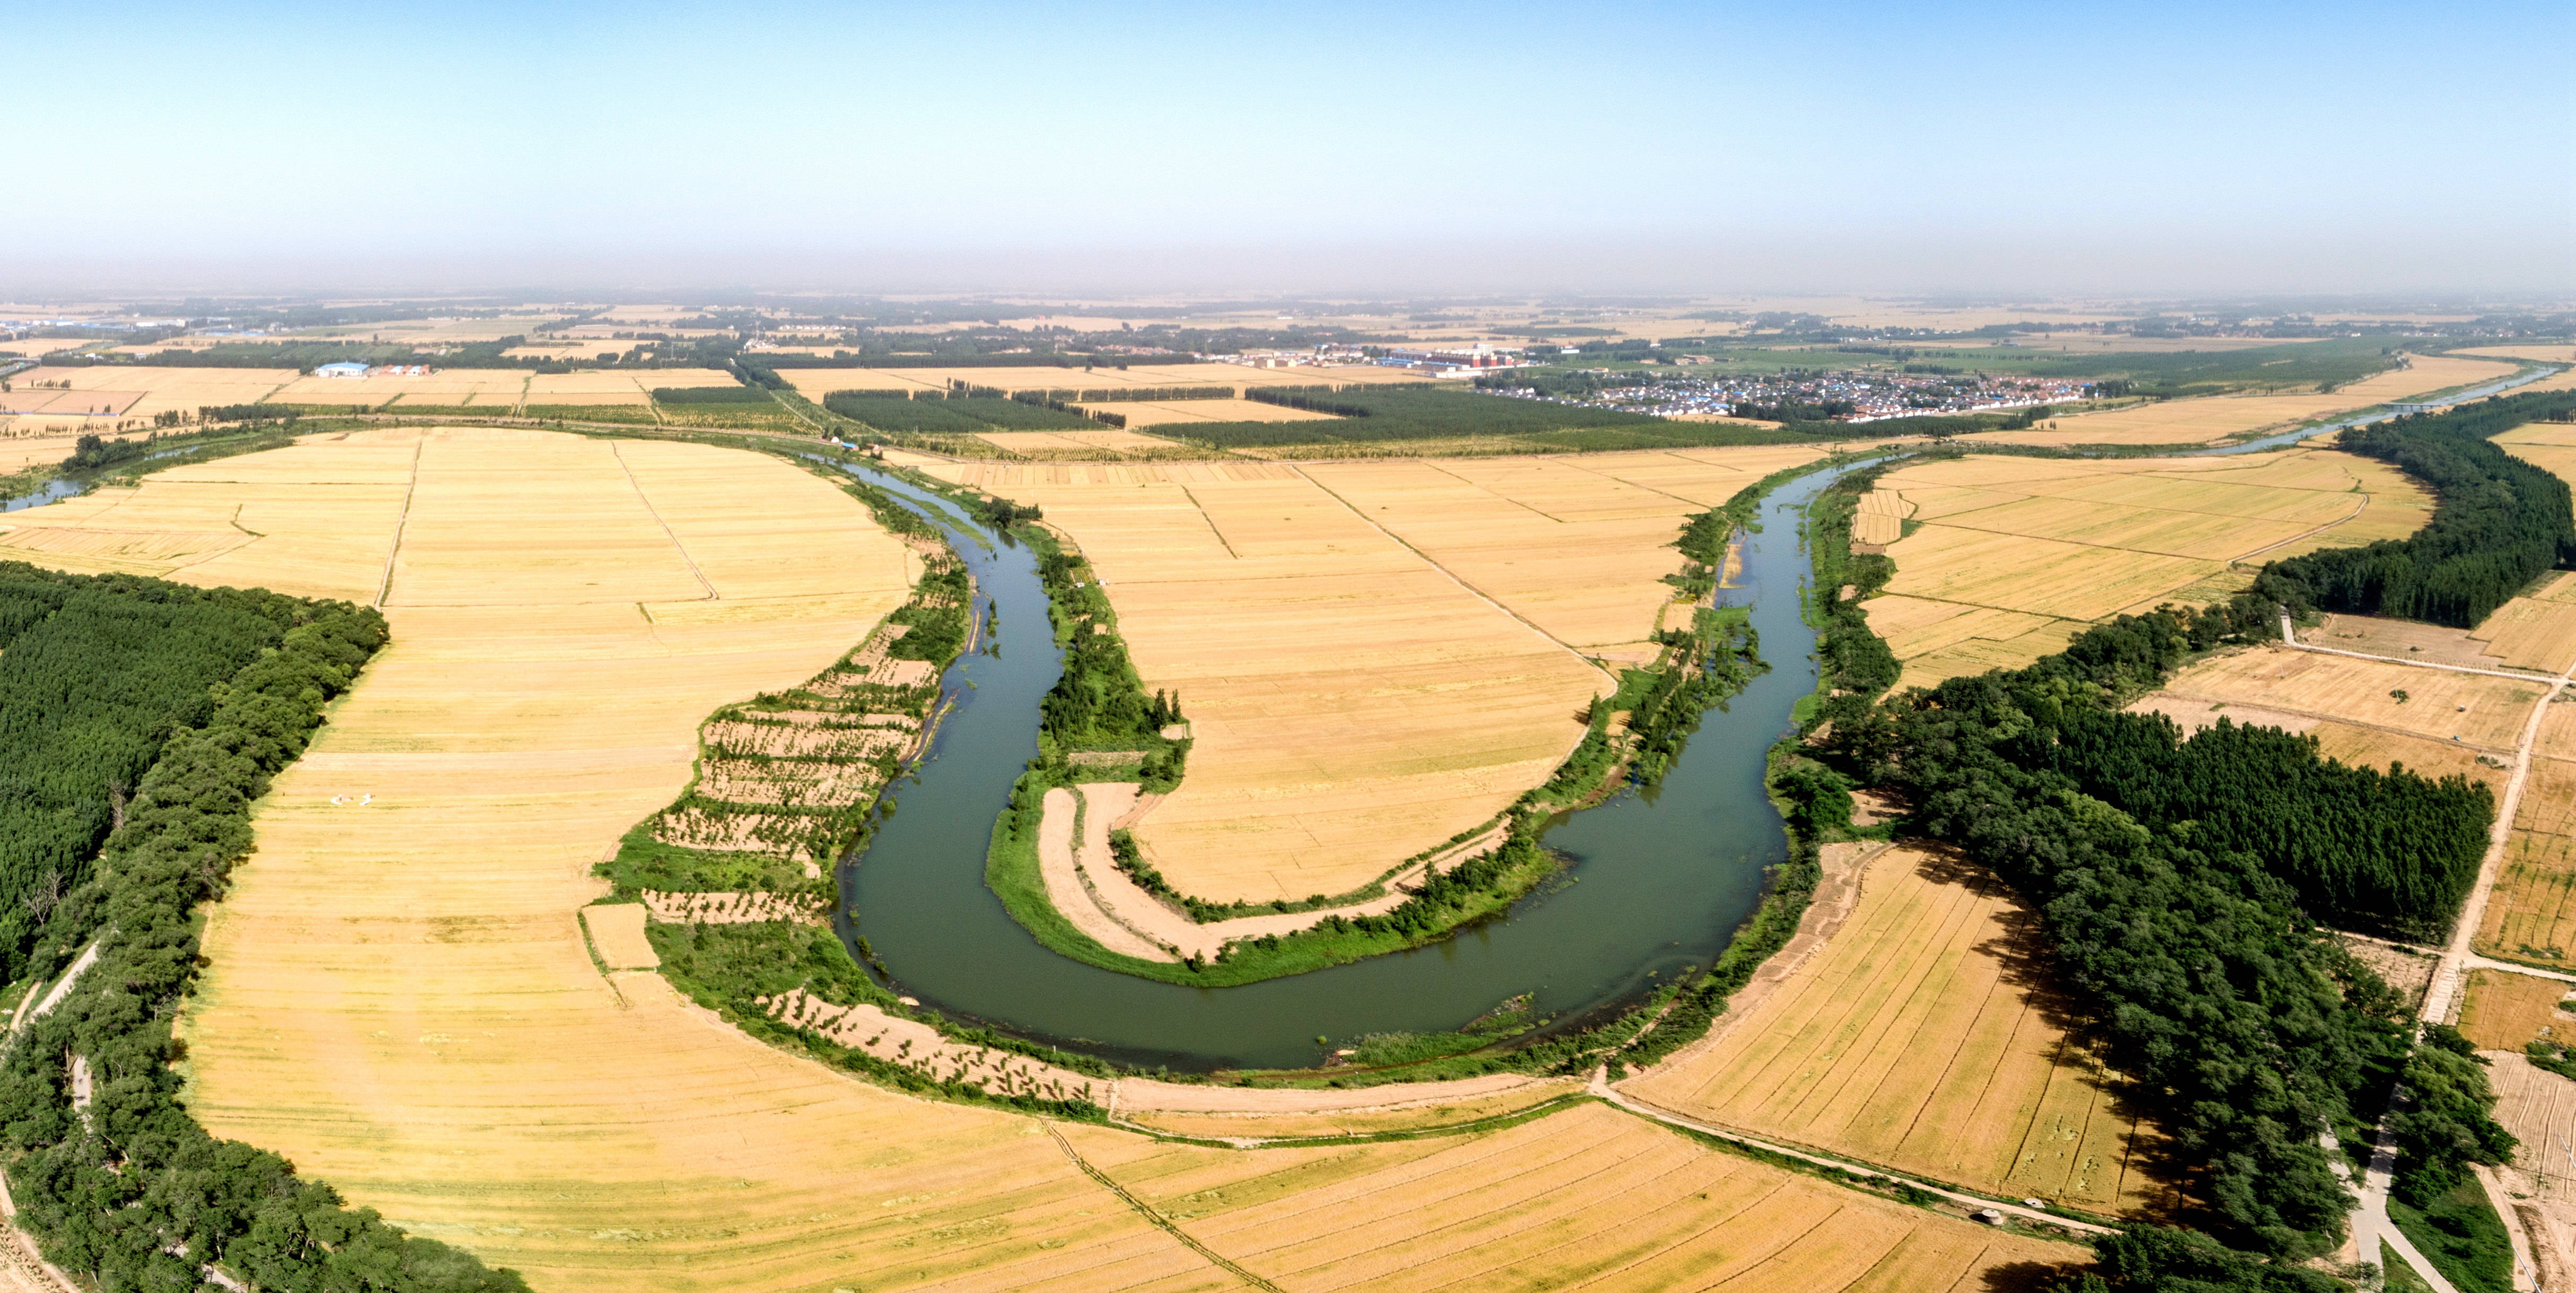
{"points": [[1657, 882]]}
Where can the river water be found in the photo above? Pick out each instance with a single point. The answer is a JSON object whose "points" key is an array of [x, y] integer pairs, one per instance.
{"points": [[1655, 883]]}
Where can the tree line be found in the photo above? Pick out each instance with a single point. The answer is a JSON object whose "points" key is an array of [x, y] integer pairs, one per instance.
{"points": [[2499, 522], [2180, 884], [214, 691]]}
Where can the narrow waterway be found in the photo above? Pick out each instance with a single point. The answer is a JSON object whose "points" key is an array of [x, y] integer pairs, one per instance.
{"points": [[1655, 883]]}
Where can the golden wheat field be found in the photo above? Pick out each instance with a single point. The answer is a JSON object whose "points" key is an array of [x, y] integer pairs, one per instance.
{"points": [[153, 390], [1176, 414], [2010, 557], [1589, 1198], [2546, 444], [1373, 656], [445, 386], [1920, 1037], [2531, 915], [2218, 417], [2503, 1011], [1105, 442], [2474, 711], [815, 383], [400, 998]]}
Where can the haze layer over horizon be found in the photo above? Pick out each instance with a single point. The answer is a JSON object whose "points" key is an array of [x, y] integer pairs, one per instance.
{"points": [[2137, 148]]}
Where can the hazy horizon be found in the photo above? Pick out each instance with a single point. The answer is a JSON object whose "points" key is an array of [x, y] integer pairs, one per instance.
{"points": [[2008, 149]]}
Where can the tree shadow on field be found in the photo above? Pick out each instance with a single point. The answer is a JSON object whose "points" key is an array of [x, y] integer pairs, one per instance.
{"points": [[2028, 966], [2029, 1277]]}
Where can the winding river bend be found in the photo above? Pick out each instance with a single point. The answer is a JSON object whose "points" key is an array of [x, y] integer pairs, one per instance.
{"points": [[1657, 882]]}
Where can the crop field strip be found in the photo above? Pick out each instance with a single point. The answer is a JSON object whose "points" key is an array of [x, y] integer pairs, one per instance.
{"points": [[1375, 656], [2208, 419], [1588, 1198], [2008, 558], [1915, 1039]]}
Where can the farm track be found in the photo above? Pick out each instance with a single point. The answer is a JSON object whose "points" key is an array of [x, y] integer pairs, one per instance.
{"points": [[1152, 1217], [2372, 1222], [1600, 1087]]}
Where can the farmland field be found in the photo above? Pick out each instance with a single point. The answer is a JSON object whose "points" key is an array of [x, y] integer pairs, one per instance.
{"points": [[2546, 444], [2532, 914], [565, 613], [2213, 418], [815, 383], [1373, 656], [2008, 557], [1590, 1198], [155, 390], [1918, 1037], [1178, 413], [1107, 442]]}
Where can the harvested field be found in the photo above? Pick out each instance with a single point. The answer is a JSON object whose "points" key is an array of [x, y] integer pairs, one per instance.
{"points": [[815, 383], [617, 936], [1396, 1110], [2010, 557], [1357, 687], [2537, 630], [2403, 640], [2532, 913], [2472, 710], [426, 951], [506, 746], [2502, 1010], [1170, 413], [1881, 518], [2215, 418], [1590, 1196], [1107, 442], [153, 390], [2539, 1108], [447, 386], [1922, 1037]]}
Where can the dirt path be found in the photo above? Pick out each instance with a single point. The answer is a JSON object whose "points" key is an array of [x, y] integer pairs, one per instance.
{"points": [[2371, 1223], [1071, 898]]}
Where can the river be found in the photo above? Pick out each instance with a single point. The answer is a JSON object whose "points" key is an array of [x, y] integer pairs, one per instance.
{"points": [[1655, 883]]}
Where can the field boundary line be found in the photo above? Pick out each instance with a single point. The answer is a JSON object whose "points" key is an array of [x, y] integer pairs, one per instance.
{"points": [[2352, 722], [2345, 519], [2289, 638], [1452, 576], [1655, 1113], [1489, 491], [1154, 1218], [656, 514], [1201, 508], [402, 521]]}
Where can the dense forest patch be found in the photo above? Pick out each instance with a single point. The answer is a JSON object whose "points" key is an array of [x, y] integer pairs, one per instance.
{"points": [[2499, 524], [2182, 885], [151, 716]]}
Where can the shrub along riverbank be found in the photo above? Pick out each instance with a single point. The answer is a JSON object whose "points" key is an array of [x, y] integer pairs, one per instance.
{"points": [[217, 690]]}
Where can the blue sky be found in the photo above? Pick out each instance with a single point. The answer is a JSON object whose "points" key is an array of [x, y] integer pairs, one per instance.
{"points": [[1425, 147]]}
